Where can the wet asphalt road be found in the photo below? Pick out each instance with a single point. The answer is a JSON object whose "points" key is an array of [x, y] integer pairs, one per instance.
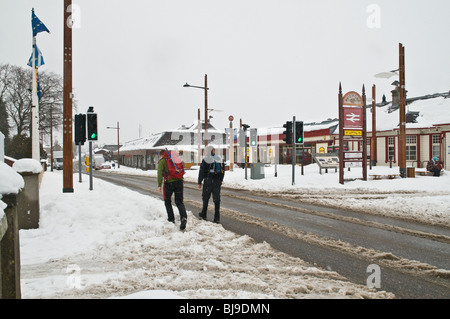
{"points": [[278, 221]]}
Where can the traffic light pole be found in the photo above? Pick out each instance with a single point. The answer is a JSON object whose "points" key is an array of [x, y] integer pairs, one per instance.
{"points": [[79, 162], [245, 153], [91, 187]]}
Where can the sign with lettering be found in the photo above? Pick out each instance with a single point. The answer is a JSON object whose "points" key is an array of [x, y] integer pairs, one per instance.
{"points": [[352, 98], [352, 129], [352, 133], [353, 117]]}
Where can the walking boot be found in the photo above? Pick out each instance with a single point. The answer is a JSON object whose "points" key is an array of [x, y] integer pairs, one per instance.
{"points": [[217, 212]]}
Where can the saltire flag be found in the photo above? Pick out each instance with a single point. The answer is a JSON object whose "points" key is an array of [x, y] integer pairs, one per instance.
{"points": [[38, 58], [37, 24]]}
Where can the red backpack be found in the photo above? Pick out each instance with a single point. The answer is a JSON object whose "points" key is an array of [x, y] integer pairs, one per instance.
{"points": [[174, 165]]}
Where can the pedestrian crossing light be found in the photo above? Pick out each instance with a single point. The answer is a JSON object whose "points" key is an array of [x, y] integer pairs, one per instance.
{"points": [[80, 129], [288, 132], [299, 132], [92, 126], [253, 137]]}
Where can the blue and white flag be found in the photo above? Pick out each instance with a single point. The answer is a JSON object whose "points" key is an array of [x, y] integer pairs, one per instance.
{"points": [[38, 58], [37, 24]]}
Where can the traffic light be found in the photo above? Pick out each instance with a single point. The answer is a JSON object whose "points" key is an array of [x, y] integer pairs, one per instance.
{"points": [[92, 126], [298, 132], [288, 132], [242, 138], [80, 129], [253, 136]]}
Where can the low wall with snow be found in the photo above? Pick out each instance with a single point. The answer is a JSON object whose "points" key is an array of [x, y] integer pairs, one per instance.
{"points": [[10, 251], [11, 185], [28, 208]]}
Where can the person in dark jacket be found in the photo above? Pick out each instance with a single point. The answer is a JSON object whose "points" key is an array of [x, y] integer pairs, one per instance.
{"points": [[434, 166], [211, 173]]}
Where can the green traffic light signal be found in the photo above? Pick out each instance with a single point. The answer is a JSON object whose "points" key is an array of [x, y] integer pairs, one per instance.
{"points": [[92, 126], [299, 132]]}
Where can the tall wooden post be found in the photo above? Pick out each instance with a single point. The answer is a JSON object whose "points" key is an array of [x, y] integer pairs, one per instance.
{"points": [[199, 142], [364, 135], [206, 111], [118, 146], [373, 148], [341, 136], [67, 101], [402, 115]]}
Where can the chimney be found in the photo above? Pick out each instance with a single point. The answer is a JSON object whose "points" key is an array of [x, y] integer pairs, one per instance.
{"points": [[395, 94]]}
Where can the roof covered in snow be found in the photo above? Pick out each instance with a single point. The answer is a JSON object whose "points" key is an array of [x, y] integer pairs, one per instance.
{"points": [[181, 139], [422, 112]]}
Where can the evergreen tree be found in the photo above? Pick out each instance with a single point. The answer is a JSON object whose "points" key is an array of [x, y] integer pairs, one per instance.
{"points": [[4, 125]]}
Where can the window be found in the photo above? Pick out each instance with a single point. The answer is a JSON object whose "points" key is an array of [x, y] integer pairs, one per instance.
{"points": [[411, 148], [436, 146], [391, 149]]}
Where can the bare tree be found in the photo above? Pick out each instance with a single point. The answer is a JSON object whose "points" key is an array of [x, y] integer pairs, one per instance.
{"points": [[15, 92], [17, 98]]}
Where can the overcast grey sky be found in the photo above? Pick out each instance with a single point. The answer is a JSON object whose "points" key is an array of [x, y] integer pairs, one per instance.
{"points": [[266, 60]]}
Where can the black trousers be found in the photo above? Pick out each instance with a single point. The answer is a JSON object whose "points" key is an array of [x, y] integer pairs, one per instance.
{"points": [[175, 187], [436, 171], [211, 185]]}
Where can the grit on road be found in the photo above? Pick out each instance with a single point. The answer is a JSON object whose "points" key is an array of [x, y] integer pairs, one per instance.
{"points": [[412, 256]]}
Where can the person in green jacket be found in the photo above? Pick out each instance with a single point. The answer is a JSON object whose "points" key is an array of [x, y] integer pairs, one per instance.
{"points": [[171, 186]]}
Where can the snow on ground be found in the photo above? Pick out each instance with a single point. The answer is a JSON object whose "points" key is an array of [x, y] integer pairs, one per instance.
{"points": [[113, 242]]}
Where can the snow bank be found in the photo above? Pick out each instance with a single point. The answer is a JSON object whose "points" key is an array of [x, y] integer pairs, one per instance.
{"points": [[10, 181], [27, 165]]}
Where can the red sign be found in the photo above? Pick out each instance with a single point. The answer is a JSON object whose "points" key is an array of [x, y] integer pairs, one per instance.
{"points": [[353, 117]]}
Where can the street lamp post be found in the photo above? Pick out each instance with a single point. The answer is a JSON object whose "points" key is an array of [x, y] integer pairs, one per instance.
{"points": [[118, 143], [402, 107], [206, 104]]}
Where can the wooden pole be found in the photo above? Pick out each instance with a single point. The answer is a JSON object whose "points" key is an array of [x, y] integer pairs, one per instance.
{"points": [[206, 110], [341, 136], [118, 146], [199, 142], [67, 101], [373, 148], [364, 132], [402, 115], [51, 138]]}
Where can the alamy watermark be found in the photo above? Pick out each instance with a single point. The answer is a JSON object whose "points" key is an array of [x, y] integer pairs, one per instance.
{"points": [[74, 20], [374, 279], [74, 279], [374, 19]]}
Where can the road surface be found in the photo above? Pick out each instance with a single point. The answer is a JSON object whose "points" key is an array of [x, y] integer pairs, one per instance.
{"points": [[413, 258]]}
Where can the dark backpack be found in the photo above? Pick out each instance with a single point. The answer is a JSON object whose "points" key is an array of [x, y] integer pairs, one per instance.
{"points": [[175, 167]]}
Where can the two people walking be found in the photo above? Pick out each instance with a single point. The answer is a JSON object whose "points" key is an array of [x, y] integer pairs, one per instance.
{"points": [[211, 174]]}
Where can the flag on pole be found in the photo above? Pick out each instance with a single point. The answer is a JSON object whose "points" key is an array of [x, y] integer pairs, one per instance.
{"points": [[38, 58], [37, 24]]}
